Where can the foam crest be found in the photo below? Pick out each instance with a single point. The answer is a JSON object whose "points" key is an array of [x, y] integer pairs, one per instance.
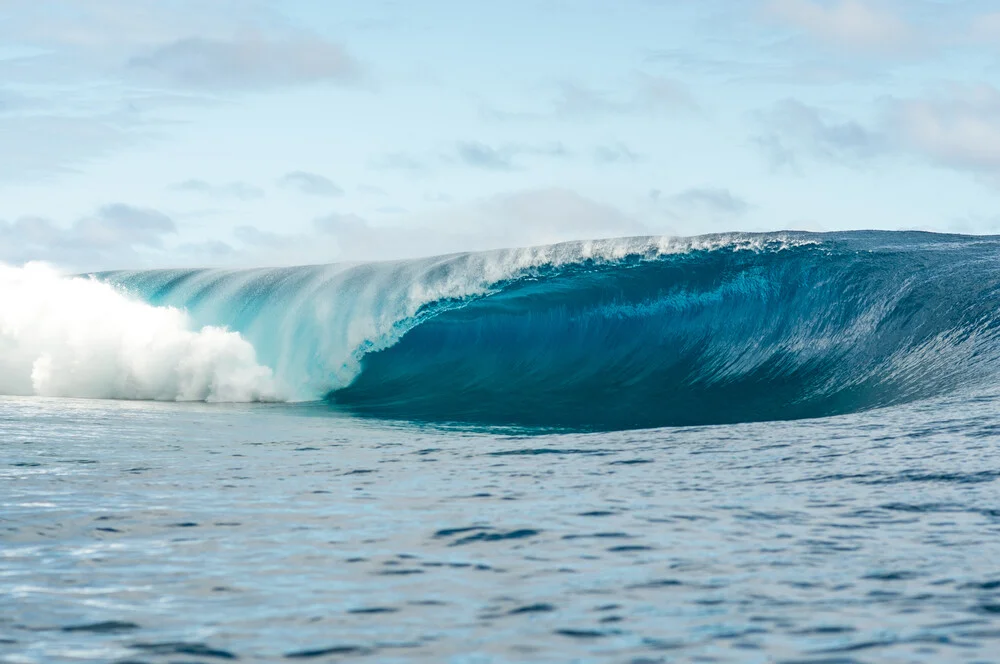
{"points": [[78, 337]]}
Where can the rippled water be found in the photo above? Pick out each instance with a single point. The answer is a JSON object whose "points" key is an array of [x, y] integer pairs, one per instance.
{"points": [[160, 532]]}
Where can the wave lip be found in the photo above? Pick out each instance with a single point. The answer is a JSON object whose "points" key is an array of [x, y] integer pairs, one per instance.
{"points": [[609, 334]]}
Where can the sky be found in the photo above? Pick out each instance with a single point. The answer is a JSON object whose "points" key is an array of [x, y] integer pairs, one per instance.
{"points": [[162, 133]]}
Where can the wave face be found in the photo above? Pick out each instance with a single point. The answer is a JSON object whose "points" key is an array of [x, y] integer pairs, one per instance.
{"points": [[618, 334]]}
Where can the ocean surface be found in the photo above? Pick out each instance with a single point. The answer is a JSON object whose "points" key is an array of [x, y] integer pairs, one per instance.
{"points": [[739, 448]]}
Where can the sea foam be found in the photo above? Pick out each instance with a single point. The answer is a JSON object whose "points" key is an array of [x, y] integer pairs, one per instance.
{"points": [[78, 337]]}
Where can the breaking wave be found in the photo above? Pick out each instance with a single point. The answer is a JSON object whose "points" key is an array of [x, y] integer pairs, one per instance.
{"points": [[610, 334]]}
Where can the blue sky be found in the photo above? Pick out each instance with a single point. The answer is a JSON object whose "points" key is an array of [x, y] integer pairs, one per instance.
{"points": [[143, 133]]}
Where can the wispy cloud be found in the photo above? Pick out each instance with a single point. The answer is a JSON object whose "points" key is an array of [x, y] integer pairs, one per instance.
{"points": [[519, 218], [647, 94], [110, 24], [239, 190], [793, 130], [372, 190], [640, 94], [503, 158], [83, 80], [712, 199], [40, 145], [958, 127], [862, 25], [207, 253], [252, 62], [256, 238], [311, 184], [617, 153], [400, 161], [336, 224], [484, 156], [115, 234], [986, 28], [13, 101], [552, 214]]}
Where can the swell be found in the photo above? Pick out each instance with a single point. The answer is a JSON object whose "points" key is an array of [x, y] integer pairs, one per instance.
{"points": [[619, 334]]}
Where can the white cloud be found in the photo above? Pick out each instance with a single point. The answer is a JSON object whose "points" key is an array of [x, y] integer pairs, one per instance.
{"points": [[504, 157], [522, 218], [250, 62], [276, 242], [793, 130], [103, 24], [115, 235], [400, 161], [202, 254], [335, 224], [959, 128], [88, 78], [858, 24], [312, 184], [640, 94], [37, 145], [541, 216], [483, 156], [647, 94], [716, 200], [986, 28], [240, 190], [617, 153]]}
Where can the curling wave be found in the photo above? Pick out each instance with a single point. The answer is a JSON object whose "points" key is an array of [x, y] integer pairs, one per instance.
{"points": [[610, 334]]}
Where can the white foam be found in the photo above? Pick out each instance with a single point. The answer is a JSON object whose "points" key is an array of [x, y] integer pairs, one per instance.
{"points": [[77, 337]]}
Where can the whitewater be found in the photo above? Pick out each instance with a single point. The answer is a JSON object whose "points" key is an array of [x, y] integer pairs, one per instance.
{"points": [[747, 447], [77, 337]]}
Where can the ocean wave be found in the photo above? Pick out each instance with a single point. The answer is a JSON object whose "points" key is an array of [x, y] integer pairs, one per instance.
{"points": [[609, 334]]}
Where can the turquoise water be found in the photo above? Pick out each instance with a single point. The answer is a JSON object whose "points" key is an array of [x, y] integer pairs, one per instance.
{"points": [[145, 532]]}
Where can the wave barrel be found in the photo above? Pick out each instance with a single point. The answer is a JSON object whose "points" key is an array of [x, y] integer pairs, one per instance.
{"points": [[621, 334]]}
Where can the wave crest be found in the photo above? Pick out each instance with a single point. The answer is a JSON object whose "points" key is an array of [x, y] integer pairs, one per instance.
{"points": [[606, 334]]}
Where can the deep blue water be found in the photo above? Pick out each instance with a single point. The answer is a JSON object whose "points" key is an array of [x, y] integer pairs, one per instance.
{"points": [[739, 448]]}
